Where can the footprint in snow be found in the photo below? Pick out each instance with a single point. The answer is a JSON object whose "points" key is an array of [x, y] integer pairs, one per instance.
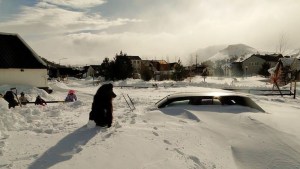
{"points": [[167, 142], [156, 134]]}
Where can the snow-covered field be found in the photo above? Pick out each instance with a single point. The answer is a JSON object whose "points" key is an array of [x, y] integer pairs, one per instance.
{"points": [[56, 136]]}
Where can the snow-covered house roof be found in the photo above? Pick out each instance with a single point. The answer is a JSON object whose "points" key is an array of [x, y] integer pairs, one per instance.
{"points": [[292, 62], [15, 53], [134, 57], [267, 58]]}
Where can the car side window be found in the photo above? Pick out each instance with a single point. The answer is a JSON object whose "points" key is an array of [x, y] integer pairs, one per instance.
{"points": [[204, 101], [178, 103]]}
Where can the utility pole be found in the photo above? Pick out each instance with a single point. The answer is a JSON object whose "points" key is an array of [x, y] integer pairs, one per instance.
{"points": [[196, 61]]}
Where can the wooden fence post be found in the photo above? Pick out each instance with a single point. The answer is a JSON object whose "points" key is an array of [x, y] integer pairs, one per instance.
{"points": [[295, 83]]}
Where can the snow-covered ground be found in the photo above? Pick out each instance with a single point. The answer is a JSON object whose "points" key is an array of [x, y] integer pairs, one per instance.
{"points": [[56, 136]]}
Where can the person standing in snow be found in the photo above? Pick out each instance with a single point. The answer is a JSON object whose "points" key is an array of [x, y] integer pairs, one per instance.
{"points": [[71, 97], [40, 101], [23, 99], [10, 98]]}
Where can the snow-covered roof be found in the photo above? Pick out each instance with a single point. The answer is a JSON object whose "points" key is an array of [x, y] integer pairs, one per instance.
{"points": [[15, 53], [292, 62], [286, 61]]}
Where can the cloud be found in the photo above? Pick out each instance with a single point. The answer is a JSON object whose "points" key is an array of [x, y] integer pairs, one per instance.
{"points": [[45, 18], [47, 26], [76, 3], [157, 29]]}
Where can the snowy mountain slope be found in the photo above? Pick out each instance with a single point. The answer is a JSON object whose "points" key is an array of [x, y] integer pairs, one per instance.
{"points": [[294, 53], [240, 51], [205, 53]]}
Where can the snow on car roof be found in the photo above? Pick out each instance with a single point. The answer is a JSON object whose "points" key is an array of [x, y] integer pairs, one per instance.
{"points": [[226, 98]]}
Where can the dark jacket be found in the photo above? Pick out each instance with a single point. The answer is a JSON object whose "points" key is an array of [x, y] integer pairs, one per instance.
{"points": [[10, 98], [39, 101]]}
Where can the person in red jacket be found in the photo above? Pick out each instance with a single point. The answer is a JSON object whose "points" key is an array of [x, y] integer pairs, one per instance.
{"points": [[71, 97]]}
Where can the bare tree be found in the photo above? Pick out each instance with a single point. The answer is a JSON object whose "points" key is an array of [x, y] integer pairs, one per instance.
{"points": [[282, 44], [191, 60]]}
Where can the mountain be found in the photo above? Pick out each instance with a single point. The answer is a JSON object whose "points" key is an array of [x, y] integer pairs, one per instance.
{"points": [[294, 53], [234, 52], [205, 53]]}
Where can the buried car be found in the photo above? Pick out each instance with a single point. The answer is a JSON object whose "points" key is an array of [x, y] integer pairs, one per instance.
{"points": [[207, 98]]}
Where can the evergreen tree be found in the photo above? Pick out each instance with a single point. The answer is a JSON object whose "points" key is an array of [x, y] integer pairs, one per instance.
{"points": [[146, 73], [107, 69], [180, 73], [118, 69], [123, 68], [264, 69]]}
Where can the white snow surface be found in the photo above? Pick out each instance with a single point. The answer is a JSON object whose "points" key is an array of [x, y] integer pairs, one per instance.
{"points": [[57, 135]]}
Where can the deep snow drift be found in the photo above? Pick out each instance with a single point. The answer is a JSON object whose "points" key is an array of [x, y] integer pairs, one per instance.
{"points": [[56, 136]]}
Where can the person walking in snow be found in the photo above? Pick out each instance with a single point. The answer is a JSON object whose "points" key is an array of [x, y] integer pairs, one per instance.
{"points": [[23, 99], [71, 97]]}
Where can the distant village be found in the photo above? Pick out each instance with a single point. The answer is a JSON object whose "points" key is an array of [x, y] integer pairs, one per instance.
{"points": [[19, 64]]}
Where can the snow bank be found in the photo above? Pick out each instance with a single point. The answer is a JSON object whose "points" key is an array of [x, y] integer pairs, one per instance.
{"points": [[40, 119]]}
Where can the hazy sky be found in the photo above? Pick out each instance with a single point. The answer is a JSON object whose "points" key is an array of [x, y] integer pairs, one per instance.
{"points": [[87, 31]]}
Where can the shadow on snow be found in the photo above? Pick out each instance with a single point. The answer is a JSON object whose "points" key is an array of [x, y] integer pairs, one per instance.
{"points": [[65, 148]]}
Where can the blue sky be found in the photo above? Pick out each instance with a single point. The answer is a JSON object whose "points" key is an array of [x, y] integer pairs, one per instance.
{"points": [[87, 31]]}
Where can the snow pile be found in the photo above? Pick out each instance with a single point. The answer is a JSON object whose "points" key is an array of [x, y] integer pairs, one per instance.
{"points": [[39, 119]]}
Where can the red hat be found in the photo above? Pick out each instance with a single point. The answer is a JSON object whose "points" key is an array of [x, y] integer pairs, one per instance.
{"points": [[71, 91]]}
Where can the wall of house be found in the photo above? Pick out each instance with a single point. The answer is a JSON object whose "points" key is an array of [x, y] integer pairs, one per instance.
{"points": [[252, 65], [31, 77], [136, 64], [90, 72]]}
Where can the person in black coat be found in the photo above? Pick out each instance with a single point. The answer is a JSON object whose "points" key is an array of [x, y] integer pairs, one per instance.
{"points": [[102, 108], [40, 101], [10, 98]]}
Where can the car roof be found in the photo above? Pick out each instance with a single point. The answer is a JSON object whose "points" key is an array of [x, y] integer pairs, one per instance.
{"points": [[225, 97], [208, 94]]}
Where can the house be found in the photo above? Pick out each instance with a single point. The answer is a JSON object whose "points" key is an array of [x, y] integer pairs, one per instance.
{"points": [[92, 70], [160, 68], [59, 71], [196, 69], [252, 65], [232, 69], [136, 61], [19, 64], [285, 71]]}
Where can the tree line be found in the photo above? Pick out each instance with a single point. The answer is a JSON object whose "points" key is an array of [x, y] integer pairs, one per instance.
{"points": [[120, 68]]}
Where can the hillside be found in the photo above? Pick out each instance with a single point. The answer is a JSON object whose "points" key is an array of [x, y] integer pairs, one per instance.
{"points": [[238, 51], [205, 53]]}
